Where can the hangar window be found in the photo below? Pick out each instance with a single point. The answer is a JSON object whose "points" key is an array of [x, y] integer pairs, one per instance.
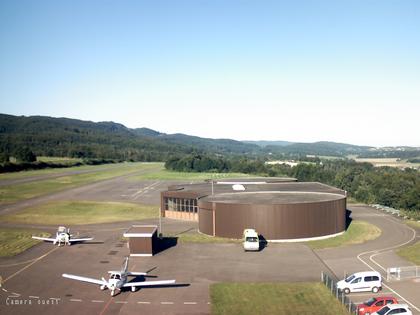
{"points": [[181, 204]]}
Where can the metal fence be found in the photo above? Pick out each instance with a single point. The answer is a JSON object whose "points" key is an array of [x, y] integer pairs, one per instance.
{"points": [[332, 286], [401, 273]]}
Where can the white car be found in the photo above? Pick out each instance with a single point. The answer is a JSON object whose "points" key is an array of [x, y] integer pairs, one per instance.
{"points": [[392, 309], [361, 281], [251, 240]]}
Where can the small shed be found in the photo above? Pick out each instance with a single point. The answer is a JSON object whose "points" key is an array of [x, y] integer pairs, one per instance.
{"points": [[142, 240]]}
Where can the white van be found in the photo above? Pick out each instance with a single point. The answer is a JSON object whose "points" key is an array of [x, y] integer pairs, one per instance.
{"points": [[361, 281], [251, 240]]}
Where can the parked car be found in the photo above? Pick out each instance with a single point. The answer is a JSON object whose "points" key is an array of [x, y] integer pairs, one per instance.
{"points": [[251, 241], [361, 281], [392, 309], [375, 304]]}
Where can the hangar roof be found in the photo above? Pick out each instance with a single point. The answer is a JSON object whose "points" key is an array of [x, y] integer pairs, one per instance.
{"points": [[271, 197], [199, 190]]}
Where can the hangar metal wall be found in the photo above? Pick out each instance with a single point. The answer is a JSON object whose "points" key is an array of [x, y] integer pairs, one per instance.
{"points": [[205, 220], [274, 221]]}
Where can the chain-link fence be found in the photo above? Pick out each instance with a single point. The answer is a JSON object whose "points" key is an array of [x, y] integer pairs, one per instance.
{"points": [[332, 286], [401, 273]]}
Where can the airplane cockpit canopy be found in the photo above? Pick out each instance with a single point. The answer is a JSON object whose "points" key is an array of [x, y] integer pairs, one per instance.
{"points": [[116, 276]]}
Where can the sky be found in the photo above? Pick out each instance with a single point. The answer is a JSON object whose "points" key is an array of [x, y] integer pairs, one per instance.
{"points": [[302, 71]]}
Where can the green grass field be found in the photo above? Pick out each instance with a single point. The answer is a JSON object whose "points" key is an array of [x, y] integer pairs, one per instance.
{"points": [[164, 174], [357, 233], [82, 212], [273, 299], [202, 238], [14, 193], [414, 224], [411, 253], [14, 241], [54, 159]]}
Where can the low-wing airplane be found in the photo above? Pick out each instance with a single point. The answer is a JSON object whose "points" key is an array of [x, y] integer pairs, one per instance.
{"points": [[62, 236], [119, 279]]}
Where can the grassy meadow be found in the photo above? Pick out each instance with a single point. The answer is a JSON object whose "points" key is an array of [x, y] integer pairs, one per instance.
{"points": [[411, 253], [358, 232], [82, 212], [164, 174], [14, 241], [273, 299]]}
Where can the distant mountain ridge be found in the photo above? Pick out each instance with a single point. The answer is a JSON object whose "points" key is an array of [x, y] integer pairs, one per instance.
{"points": [[77, 138]]}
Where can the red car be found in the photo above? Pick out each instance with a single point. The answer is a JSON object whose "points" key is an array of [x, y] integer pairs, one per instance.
{"points": [[374, 304]]}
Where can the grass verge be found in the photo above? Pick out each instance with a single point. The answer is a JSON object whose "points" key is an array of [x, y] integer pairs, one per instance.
{"points": [[358, 232], [14, 241], [414, 224], [202, 238], [82, 212], [273, 298], [411, 253], [14, 193]]}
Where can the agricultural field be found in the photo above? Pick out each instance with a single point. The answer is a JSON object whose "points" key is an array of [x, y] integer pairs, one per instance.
{"points": [[393, 162], [273, 298]]}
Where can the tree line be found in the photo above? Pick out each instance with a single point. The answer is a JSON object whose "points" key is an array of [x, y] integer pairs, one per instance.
{"points": [[363, 182]]}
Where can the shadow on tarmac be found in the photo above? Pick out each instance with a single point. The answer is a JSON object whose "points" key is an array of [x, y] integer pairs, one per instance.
{"points": [[348, 218]]}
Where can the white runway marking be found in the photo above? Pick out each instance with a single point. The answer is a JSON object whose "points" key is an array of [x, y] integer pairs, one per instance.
{"points": [[142, 302], [144, 190], [190, 303], [34, 297], [75, 300], [36, 260], [167, 303], [121, 302], [97, 301]]}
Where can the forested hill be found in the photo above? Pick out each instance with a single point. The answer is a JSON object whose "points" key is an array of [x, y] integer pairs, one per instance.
{"points": [[64, 137], [76, 138]]}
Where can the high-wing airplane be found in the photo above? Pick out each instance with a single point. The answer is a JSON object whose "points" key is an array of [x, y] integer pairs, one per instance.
{"points": [[62, 236], [119, 279]]}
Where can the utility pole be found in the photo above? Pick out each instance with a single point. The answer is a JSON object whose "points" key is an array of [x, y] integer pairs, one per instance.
{"points": [[160, 223]]}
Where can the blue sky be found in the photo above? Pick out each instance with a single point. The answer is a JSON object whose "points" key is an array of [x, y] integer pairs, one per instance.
{"points": [[344, 71]]}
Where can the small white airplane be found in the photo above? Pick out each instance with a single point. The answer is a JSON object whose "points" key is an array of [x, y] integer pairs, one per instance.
{"points": [[62, 236], [119, 279]]}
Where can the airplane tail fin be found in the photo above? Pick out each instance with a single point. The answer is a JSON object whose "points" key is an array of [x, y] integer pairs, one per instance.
{"points": [[125, 265]]}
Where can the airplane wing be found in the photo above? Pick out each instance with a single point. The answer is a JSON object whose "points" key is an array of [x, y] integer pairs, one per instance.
{"points": [[148, 283], [137, 273], [85, 279], [43, 238], [80, 239]]}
